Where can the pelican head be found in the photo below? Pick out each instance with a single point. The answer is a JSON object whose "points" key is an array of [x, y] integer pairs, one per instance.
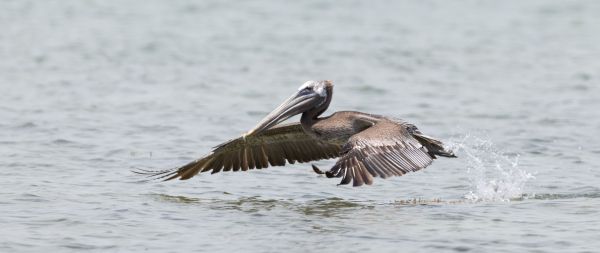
{"points": [[310, 95]]}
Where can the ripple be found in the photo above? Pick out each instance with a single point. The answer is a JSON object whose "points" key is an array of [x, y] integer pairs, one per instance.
{"points": [[62, 142], [369, 89], [26, 197], [495, 116], [156, 128], [26, 125], [83, 246], [553, 196], [119, 151]]}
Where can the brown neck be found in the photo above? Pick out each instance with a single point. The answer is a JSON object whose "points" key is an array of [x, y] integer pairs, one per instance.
{"points": [[310, 117]]}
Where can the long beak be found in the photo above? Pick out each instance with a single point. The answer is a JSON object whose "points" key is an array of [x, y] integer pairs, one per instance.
{"points": [[296, 104]]}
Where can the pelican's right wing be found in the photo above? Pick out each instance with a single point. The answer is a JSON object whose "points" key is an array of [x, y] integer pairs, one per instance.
{"points": [[274, 146], [386, 149]]}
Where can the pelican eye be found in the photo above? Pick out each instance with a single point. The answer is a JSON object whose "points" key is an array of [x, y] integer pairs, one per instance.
{"points": [[306, 90]]}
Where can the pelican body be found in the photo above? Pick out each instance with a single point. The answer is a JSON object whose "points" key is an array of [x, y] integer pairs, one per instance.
{"points": [[366, 145]]}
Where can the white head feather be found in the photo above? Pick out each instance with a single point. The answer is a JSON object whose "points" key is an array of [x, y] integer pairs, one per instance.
{"points": [[317, 86]]}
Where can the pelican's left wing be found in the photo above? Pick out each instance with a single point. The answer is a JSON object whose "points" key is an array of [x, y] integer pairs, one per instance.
{"points": [[272, 147]]}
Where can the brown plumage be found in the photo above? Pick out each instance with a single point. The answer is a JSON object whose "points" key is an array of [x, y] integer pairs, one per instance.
{"points": [[275, 146], [367, 145]]}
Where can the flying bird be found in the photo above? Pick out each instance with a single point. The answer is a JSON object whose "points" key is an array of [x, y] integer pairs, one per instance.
{"points": [[366, 145]]}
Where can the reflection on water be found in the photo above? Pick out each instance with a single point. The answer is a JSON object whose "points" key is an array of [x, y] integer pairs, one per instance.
{"points": [[175, 199], [551, 196], [329, 206], [320, 207]]}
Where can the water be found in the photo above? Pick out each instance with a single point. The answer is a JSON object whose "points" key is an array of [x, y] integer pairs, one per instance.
{"points": [[92, 89]]}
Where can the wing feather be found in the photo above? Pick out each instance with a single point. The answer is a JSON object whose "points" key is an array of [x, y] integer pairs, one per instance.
{"points": [[273, 147], [385, 149]]}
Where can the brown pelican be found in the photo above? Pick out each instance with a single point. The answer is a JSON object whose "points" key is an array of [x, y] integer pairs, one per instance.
{"points": [[367, 145]]}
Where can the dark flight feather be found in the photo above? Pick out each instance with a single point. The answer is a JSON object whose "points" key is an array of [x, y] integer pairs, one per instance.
{"points": [[272, 147]]}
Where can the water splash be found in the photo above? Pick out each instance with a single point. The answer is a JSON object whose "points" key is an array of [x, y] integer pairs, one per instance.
{"points": [[494, 175]]}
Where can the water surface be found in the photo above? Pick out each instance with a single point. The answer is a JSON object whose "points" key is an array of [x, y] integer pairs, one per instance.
{"points": [[93, 89]]}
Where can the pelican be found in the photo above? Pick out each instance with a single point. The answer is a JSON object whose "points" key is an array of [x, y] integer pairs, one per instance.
{"points": [[366, 145]]}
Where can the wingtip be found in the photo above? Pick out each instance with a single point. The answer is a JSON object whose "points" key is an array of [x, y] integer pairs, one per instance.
{"points": [[450, 154], [317, 170], [446, 153], [154, 175]]}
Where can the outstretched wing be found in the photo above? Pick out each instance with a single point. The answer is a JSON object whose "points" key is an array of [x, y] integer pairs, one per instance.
{"points": [[273, 147], [385, 149]]}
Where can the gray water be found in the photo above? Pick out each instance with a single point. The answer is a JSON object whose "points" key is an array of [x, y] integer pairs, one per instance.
{"points": [[93, 89]]}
